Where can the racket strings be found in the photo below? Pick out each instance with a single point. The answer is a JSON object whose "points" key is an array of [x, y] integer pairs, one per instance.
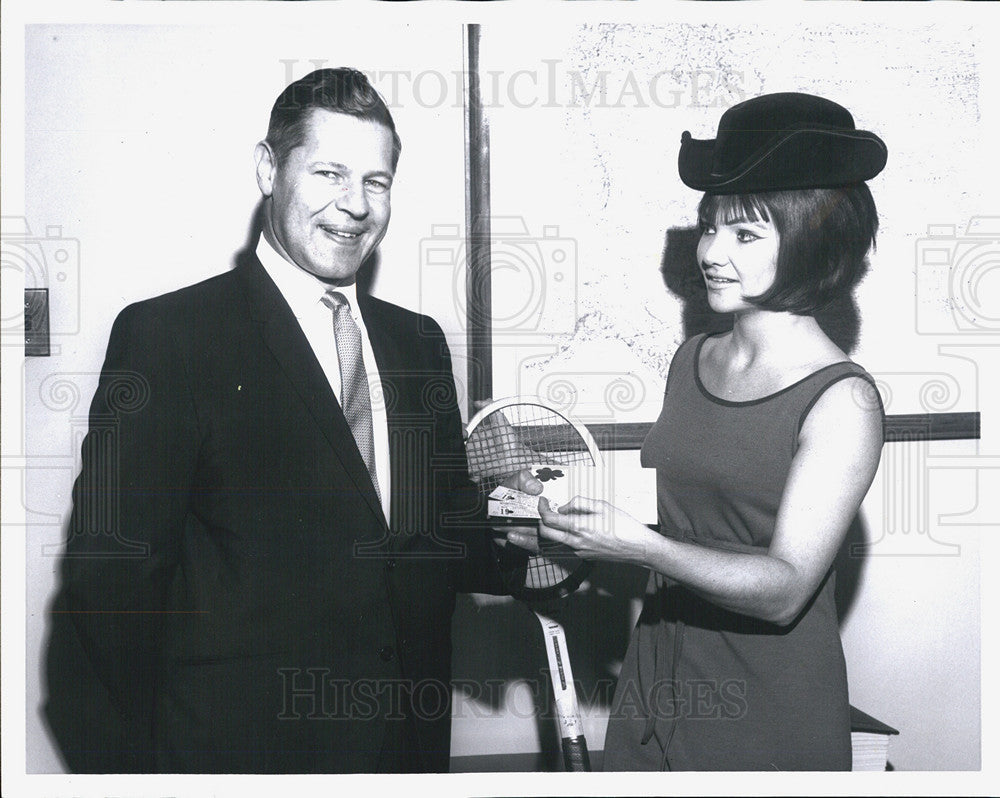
{"points": [[520, 436], [548, 569]]}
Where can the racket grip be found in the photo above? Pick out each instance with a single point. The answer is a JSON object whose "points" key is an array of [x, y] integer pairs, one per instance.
{"points": [[575, 754]]}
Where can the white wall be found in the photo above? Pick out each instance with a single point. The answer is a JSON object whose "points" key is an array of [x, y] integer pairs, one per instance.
{"points": [[139, 144]]}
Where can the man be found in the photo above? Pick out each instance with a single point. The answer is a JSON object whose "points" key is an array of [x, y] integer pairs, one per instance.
{"points": [[263, 556]]}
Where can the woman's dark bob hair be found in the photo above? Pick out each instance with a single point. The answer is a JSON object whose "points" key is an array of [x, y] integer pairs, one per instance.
{"points": [[824, 236]]}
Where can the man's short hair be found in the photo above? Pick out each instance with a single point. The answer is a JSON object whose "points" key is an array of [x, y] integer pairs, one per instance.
{"points": [[824, 236], [341, 91]]}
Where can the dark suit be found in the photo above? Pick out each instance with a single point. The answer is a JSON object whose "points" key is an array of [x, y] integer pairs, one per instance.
{"points": [[232, 623]]}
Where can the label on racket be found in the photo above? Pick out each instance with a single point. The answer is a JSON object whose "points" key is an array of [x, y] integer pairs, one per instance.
{"points": [[559, 485]]}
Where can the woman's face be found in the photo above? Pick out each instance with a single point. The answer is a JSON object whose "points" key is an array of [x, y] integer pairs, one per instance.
{"points": [[737, 259]]}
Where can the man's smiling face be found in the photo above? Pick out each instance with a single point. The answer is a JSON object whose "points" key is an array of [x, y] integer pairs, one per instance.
{"points": [[329, 199]]}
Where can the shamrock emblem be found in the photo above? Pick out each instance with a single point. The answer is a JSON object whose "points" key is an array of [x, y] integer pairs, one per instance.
{"points": [[547, 474]]}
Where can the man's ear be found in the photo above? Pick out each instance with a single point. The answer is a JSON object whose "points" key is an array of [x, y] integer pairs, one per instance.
{"points": [[263, 156]]}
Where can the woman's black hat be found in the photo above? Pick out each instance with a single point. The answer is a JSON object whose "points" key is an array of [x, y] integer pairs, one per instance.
{"points": [[777, 142]]}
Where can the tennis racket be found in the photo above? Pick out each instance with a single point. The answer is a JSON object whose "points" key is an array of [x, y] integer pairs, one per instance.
{"points": [[505, 437]]}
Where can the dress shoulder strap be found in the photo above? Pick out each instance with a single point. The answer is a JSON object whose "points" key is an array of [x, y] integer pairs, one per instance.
{"points": [[683, 359], [825, 378]]}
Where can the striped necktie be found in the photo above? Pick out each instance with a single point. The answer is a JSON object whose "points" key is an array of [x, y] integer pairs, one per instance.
{"points": [[354, 396]]}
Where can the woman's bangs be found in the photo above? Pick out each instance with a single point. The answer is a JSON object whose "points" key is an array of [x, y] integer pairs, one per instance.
{"points": [[732, 209]]}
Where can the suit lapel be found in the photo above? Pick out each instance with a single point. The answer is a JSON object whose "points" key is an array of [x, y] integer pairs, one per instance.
{"points": [[283, 336], [390, 362], [415, 464]]}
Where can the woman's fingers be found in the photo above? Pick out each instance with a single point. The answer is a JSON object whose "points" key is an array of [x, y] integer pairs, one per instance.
{"points": [[549, 516], [555, 535], [554, 526], [579, 505]]}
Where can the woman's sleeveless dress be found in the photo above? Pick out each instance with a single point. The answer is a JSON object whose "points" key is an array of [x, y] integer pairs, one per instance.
{"points": [[703, 688]]}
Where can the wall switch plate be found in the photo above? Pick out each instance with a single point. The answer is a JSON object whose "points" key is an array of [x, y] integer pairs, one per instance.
{"points": [[36, 322]]}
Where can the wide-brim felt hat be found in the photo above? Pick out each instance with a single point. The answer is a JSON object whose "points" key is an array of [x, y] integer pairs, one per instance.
{"points": [[778, 142]]}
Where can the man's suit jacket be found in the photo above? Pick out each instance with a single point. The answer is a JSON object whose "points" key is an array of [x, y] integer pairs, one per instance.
{"points": [[232, 599]]}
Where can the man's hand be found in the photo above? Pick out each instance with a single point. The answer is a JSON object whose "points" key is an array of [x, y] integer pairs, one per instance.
{"points": [[525, 537], [523, 481]]}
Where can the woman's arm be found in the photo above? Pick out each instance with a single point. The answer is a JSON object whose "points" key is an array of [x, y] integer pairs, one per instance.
{"points": [[839, 448]]}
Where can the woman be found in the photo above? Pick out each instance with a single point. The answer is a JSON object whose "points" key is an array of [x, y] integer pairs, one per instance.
{"points": [[768, 440]]}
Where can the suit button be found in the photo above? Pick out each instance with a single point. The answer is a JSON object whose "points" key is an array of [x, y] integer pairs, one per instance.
{"points": [[386, 653], [390, 564]]}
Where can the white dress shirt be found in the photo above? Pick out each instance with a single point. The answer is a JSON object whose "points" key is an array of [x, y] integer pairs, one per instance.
{"points": [[304, 293]]}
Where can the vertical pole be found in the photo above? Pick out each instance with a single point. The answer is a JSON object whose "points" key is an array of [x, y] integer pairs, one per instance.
{"points": [[479, 304]]}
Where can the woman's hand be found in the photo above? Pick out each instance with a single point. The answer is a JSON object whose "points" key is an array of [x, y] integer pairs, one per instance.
{"points": [[596, 530]]}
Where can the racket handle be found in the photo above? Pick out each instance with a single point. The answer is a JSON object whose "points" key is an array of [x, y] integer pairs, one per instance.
{"points": [[575, 754]]}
